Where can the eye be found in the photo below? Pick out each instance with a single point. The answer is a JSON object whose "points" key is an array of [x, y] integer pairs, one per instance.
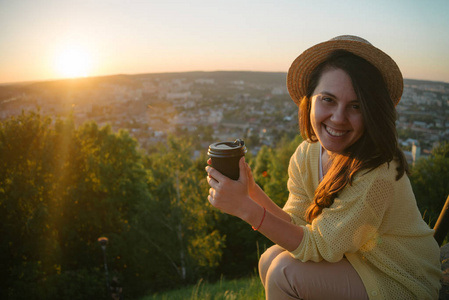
{"points": [[327, 99], [355, 108]]}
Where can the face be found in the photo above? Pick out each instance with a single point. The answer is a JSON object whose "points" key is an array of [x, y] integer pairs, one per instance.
{"points": [[335, 114]]}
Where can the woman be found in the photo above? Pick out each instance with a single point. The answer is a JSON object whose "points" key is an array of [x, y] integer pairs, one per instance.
{"points": [[350, 228]]}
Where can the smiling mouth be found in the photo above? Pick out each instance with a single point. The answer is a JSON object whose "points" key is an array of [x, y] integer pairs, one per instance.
{"points": [[335, 133]]}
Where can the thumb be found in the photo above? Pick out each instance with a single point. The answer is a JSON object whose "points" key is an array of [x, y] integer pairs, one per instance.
{"points": [[243, 174]]}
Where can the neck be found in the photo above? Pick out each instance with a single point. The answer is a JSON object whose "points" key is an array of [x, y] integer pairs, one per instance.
{"points": [[325, 161]]}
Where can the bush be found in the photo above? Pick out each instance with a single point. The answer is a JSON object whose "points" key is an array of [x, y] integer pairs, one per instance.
{"points": [[74, 285]]}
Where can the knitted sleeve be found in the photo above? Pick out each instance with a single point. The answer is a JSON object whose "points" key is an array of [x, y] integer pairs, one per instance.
{"points": [[299, 185], [351, 222]]}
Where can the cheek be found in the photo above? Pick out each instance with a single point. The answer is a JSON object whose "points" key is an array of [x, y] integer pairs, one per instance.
{"points": [[314, 117], [317, 114], [358, 125]]}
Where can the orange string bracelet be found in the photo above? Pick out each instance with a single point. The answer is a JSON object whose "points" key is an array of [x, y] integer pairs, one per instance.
{"points": [[263, 218]]}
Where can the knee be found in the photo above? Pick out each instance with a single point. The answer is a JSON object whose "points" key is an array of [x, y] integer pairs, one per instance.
{"points": [[280, 265], [281, 281], [266, 259]]}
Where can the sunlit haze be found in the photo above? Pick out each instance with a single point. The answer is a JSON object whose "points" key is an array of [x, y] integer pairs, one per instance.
{"points": [[73, 62], [51, 39]]}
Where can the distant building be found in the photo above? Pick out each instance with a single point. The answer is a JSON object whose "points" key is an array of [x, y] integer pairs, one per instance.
{"points": [[149, 87], [279, 91], [205, 81], [215, 117], [416, 153], [178, 96]]}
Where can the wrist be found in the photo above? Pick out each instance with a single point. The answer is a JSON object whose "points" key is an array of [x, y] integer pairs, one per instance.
{"points": [[255, 228], [253, 213], [254, 191]]}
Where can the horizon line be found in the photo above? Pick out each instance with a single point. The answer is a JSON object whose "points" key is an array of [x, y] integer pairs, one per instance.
{"points": [[171, 72]]}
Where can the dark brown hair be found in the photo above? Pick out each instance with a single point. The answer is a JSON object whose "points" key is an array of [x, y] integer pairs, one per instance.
{"points": [[376, 146]]}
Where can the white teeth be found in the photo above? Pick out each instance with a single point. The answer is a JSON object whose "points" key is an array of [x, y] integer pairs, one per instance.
{"points": [[333, 132]]}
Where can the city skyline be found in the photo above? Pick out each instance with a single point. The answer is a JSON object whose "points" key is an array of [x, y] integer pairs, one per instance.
{"points": [[46, 40]]}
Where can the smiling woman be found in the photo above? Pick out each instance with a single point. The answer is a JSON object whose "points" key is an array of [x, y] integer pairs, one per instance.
{"points": [[73, 62]]}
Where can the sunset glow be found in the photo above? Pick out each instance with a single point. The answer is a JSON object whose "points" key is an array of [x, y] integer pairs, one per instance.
{"points": [[104, 37], [73, 62]]}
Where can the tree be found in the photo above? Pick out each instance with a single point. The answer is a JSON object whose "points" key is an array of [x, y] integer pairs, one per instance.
{"points": [[105, 184], [261, 166], [26, 179], [271, 168], [429, 178], [60, 189], [181, 227]]}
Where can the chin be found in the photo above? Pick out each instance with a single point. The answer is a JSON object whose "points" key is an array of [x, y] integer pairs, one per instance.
{"points": [[331, 147]]}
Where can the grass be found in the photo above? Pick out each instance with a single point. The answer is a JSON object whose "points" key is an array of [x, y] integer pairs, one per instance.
{"points": [[246, 288]]}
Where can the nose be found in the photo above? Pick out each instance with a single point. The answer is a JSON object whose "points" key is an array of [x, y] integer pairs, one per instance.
{"points": [[338, 115]]}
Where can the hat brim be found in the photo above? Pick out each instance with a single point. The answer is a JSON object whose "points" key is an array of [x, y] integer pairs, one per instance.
{"points": [[304, 64]]}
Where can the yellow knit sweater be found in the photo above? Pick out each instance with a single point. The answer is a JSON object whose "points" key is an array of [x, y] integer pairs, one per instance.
{"points": [[374, 223]]}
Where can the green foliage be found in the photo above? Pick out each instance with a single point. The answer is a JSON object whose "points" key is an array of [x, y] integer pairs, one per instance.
{"points": [[60, 189], [180, 226], [26, 182], [77, 285], [247, 288], [271, 168], [430, 178]]}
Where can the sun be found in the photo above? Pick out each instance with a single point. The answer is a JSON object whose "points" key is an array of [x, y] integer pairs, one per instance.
{"points": [[72, 62]]}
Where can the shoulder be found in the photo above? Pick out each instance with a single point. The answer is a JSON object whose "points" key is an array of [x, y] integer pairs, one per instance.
{"points": [[305, 151], [384, 172], [304, 162], [379, 184], [306, 155]]}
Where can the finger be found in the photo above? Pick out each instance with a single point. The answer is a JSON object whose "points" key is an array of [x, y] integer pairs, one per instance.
{"points": [[211, 181], [211, 200], [209, 161], [243, 170], [249, 171], [215, 174]]}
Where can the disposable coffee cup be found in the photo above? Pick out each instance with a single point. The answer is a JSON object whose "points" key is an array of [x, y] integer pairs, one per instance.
{"points": [[225, 157]]}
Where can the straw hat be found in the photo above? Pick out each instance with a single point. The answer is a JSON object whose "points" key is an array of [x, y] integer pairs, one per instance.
{"points": [[303, 65]]}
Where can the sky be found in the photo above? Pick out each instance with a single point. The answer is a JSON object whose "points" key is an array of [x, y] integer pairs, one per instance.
{"points": [[52, 39]]}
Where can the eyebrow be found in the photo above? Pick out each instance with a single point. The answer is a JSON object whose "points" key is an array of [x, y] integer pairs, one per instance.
{"points": [[333, 96], [328, 93]]}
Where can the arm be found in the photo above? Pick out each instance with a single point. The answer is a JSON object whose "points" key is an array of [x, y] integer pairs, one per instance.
{"points": [[352, 222], [233, 197], [258, 195], [280, 231]]}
